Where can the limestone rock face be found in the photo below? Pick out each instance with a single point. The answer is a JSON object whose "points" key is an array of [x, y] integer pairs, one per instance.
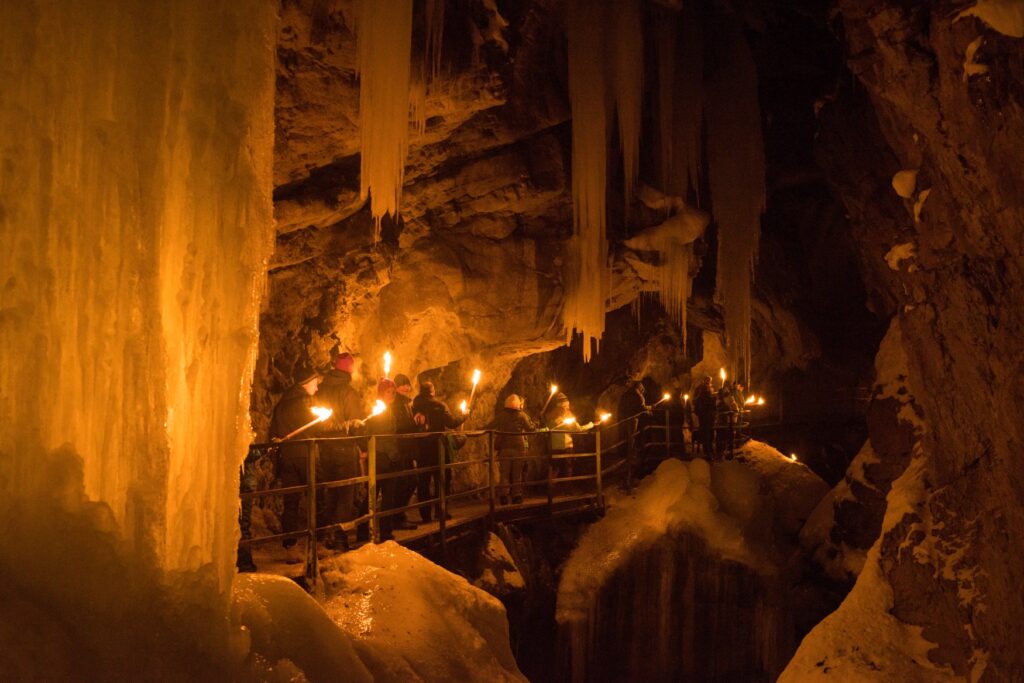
{"points": [[950, 543]]}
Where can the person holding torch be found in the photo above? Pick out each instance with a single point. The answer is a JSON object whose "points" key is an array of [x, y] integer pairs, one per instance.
{"points": [[559, 419], [293, 417]]}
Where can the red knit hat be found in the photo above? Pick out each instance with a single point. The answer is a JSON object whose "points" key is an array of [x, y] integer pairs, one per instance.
{"points": [[345, 362], [383, 385]]}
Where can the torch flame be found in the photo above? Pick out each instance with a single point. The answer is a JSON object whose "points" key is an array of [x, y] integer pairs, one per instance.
{"points": [[554, 389], [750, 400], [604, 417], [721, 374], [464, 408], [387, 363], [760, 400], [476, 377], [569, 420], [666, 396], [378, 407], [321, 412], [793, 456], [686, 397]]}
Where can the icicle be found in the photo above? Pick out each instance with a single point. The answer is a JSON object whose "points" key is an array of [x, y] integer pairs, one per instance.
{"points": [[736, 175], [385, 44], [665, 45], [427, 69], [687, 109], [589, 277], [627, 69], [434, 10]]}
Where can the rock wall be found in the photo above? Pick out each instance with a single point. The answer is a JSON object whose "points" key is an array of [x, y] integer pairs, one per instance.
{"points": [[939, 93]]}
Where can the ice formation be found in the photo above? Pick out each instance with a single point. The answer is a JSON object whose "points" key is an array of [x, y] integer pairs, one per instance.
{"points": [[1005, 16], [589, 278], [736, 178], [665, 36], [409, 619], [385, 46], [627, 80], [681, 138], [904, 182], [429, 67], [135, 223], [696, 544]]}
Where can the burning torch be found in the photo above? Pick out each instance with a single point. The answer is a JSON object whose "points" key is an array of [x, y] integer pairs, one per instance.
{"points": [[321, 413], [476, 380], [387, 364], [551, 395]]}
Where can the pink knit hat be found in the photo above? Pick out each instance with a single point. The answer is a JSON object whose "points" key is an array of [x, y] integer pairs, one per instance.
{"points": [[345, 362]]}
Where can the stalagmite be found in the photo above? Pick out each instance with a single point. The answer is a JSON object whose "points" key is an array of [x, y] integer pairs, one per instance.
{"points": [[627, 83], [135, 225], [736, 176], [588, 282], [385, 44]]}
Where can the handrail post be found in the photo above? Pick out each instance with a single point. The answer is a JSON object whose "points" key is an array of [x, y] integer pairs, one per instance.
{"points": [[312, 453], [491, 464], [668, 432], [597, 464], [551, 489], [442, 516], [371, 490]]}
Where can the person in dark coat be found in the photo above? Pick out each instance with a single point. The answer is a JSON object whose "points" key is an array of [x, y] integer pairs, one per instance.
{"points": [[408, 448], [340, 459], [512, 421], [634, 410], [291, 412], [704, 406], [434, 416], [389, 458]]}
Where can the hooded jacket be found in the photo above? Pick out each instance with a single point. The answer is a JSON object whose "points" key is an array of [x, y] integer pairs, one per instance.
{"points": [[512, 420]]}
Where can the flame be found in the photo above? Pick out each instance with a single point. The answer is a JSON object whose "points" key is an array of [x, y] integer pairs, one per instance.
{"points": [[666, 396], [793, 457], [604, 417], [554, 389], [569, 420], [464, 408], [378, 407], [321, 412], [721, 374], [387, 363], [750, 400], [686, 397], [476, 377], [760, 400]]}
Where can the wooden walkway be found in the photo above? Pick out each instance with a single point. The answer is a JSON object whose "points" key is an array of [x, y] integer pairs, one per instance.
{"points": [[469, 518]]}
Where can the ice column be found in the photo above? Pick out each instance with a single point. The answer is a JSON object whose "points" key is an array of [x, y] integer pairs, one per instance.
{"points": [[385, 45], [589, 280], [135, 224], [736, 176]]}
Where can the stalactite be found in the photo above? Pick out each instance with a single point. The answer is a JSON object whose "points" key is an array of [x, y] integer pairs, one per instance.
{"points": [[385, 44], [736, 176], [665, 47], [428, 66], [627, 69], [589, 277], [688, 91]]}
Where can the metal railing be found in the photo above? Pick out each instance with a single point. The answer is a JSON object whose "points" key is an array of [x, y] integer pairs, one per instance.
{"points": [[373, 476]]}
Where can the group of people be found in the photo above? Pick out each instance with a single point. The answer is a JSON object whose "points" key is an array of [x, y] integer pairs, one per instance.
{"points": [[708, 406], [407, 414]]}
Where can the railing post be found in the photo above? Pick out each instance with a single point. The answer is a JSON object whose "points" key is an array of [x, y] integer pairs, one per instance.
{"points": [[490, 472], [668, 432], [371, 490], [442, 516], [312, 453], [551, 489], [597, 464]]}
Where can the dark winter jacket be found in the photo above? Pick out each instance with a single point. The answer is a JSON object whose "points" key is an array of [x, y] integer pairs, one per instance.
{"points": [[512, 420], [436, 415], [290, 413], [704, 405], [387, 446], [631, 404], [337, 393]]}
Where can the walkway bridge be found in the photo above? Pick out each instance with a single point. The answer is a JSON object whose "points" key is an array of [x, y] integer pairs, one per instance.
{"points": [[555, 489]]}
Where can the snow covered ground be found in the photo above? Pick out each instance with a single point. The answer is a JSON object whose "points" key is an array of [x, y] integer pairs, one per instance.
{"points": [[737, 507], [387, 614]]}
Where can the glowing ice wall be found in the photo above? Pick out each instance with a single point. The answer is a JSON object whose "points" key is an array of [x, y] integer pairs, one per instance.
{"points": [[628, 83], [589, 281], [736, 177], [135, 223], [385, 47]]}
